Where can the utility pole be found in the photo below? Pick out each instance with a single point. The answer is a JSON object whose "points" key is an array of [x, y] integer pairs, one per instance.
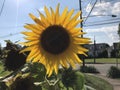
{"points": [[81, 26], [94, 50], [2, 7]]}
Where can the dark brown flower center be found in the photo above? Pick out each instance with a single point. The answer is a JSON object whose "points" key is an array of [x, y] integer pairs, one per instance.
{"points": [[55, 39]]}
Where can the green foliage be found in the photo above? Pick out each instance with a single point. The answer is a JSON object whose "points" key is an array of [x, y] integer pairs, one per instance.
{"points": [[113, 72], [37, 71], [79, 84], [119, 39], [88, 69], [73, 79], [3, 86]]}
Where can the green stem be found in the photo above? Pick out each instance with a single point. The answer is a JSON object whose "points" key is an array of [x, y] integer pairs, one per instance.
{"points": [[67, 88]]}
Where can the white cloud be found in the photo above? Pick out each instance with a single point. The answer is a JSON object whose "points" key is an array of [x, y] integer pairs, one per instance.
{"points": [[116, 8], [88, 8], [102, 8], [105, 8], [41, 9], [109, 31], [113, 36], [104, 29]]}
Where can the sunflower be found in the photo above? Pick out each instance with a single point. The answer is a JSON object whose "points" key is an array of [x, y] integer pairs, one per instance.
{"points": [[14, 60], [21, 83], [55, 39]]}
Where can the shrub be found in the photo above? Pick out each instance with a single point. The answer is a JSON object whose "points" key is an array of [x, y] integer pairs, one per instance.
{"points": [[113, 72], [88, 69]]}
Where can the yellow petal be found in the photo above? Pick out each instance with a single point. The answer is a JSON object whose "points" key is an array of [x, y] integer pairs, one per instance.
{"points": [[35, 49], [57, 15], [68, 17], [35, 28], [72, 63], [37, 58], [52, 12], [72, 20], [78, 47], [56, 66], [52, 16], [50, 72], [75, 57], [47, 11], [82, 40], [73, 25], [63, 15], [28, 33], [30, 43], [44, 20], [76, 16], [26, 49], [75, 30], [31, 38], [49, 18], [64, 63], [79, 50], [76, 34], [36, 19]]}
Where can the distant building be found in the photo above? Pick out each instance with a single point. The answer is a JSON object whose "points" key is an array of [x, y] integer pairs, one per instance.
{"points": [[98, 50]]}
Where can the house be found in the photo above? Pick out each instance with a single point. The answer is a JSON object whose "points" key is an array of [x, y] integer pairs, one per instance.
{"points": [[98, 50]]}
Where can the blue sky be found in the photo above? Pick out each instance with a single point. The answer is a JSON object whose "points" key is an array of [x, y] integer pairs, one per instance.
{"points": [[15, 15]]}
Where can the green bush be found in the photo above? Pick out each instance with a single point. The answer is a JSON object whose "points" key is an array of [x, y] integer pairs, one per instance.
{"points": [[113, 72], [88, 69]]}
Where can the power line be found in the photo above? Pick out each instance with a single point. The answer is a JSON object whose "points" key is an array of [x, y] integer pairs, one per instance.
{"points": [[21, 26], [86, 6], [101, 23], [2, 7], [9, 35], [90, 11], [105, 20], [9, 27], [84, 25]]}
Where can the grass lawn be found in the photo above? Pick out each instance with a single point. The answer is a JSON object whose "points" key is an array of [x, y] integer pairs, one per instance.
{"points": [[103, 60], [97, 83]]}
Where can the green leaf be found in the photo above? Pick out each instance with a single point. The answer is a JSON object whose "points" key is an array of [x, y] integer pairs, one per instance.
{"points": [[79, 82]]}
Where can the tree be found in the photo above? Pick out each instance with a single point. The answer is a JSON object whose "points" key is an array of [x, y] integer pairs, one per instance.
{"points": [[0, 49], [119, 40]]}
